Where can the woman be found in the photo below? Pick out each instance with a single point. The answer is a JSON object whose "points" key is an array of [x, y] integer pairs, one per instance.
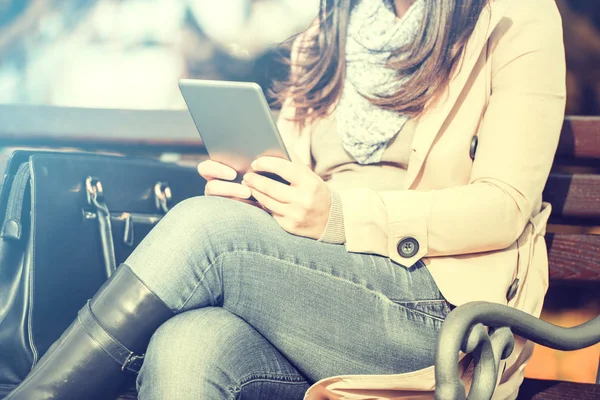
{"points": [[423, 134]]}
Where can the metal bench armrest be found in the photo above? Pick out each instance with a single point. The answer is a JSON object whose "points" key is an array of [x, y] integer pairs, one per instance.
{"points": [[464, 330]]}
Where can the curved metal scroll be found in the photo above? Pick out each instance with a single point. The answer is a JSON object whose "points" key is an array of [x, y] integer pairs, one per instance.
{"points": [[464, 330]]}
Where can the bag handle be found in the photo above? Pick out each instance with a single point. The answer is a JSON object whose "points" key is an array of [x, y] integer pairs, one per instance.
{"points": [[12, 227], [95, 198]]}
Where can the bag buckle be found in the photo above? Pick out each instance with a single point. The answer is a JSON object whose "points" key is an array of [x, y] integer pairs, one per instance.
{"points": [[94, 191], [162, 196], [133, 363]]}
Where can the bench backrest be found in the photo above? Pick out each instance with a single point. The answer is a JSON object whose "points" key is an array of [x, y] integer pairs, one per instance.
{"points": [[573, 189]]}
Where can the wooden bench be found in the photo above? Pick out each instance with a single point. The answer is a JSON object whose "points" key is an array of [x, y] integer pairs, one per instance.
{"points": [[574, 187], [573, 240]]}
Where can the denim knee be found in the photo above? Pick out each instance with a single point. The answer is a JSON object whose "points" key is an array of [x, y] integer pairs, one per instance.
{"points": [[212, 354], [183, 358], [213, 213], [202, 227], [181, 250]]}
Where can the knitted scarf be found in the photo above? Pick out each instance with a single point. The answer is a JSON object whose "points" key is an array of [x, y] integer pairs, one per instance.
{"points": [[374, 32]]}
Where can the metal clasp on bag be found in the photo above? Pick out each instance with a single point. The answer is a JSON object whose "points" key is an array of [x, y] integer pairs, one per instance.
{"points": [[162, 196], [94, 192]]}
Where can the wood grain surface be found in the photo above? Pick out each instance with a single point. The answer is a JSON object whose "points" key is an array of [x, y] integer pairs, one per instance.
{"points": [[574, 257], [574, 195], [580, 138]]}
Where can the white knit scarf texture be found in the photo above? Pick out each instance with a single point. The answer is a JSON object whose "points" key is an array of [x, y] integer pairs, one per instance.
{"points": [[374, 32]]}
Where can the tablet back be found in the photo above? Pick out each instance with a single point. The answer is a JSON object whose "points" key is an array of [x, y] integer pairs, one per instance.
{"points": [[234, 121]]}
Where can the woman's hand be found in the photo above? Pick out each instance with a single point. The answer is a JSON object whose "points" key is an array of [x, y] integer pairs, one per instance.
{"points": [[218, 177], [301, 208]]}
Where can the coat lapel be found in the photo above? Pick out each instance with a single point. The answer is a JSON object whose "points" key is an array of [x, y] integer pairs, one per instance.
{"points": [[430, 123]]}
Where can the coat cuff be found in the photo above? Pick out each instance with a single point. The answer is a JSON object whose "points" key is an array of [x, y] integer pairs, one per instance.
{"points": [[334, 230], [408, 230], [392, 224]]}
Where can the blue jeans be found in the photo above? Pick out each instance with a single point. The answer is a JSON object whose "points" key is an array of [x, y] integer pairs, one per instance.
{"points": [[262, 314]]}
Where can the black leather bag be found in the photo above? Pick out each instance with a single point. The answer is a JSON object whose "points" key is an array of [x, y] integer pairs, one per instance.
{"points": [[66, 221]]}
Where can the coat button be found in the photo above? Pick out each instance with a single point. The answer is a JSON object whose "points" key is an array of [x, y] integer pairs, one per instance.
{"points": [[512, 290], [473, 149], [408, 247]]}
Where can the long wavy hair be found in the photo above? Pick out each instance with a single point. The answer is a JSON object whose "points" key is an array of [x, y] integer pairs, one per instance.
{"points": [[428, 63]]}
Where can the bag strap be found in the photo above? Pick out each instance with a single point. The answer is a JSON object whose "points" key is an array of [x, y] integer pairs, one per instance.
{"points": [[12, 227], [95, 196]]}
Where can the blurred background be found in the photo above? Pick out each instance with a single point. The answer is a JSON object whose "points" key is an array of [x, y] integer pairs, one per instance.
{"points": [[129, 54]]}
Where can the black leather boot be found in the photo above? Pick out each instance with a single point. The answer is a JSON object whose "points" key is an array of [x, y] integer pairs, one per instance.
{"points": [[108, 338]]}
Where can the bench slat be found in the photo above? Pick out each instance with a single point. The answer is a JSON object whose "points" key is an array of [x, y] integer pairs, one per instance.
{"points": [[580, 139], [533, 389], [574, 195], [574, 257], [25, 125]]}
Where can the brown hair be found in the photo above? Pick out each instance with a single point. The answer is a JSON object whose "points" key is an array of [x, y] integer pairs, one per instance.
{"points": [[427, 64]]}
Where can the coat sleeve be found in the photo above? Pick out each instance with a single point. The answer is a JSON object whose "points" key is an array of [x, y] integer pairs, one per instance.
{"points": [[518, 139]]}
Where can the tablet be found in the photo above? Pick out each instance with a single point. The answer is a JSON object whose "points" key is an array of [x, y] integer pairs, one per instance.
{"points": [[234, 121]]}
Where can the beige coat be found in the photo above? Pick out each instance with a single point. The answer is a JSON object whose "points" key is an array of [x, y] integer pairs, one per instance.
{"points": [[479, 224]]}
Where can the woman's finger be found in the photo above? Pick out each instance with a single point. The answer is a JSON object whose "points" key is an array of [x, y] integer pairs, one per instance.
{"points": [[274, 189], [221, 188], [210, 169], [272, 205], [248, 201], [291, 172]]}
